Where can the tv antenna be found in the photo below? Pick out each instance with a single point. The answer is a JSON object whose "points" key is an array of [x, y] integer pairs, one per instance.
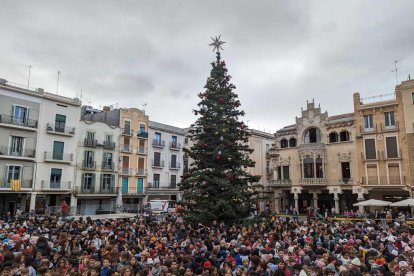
{"points": [[57, 85], [28, 79], [396, 69]]}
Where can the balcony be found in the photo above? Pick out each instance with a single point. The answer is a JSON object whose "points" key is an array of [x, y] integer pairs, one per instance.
{"points": [[126, 171], [157, 188], [368, 130], [95, 190], [158, 143], [109, 145], [157, 164], [25, 184], [280, 182], [142, 150], [58, 157], [15, 122], [141, 172], [175, 146], [175, 166], [52, 186], [127, 132], [142, 134], [93, 143], [126, 148], [107, 166], [345, 180], [390, 128], [310, 146], [88, 165], [313, 181], [269, 172], [10, 153], [131, 190], [371, 158], [60, 130]]}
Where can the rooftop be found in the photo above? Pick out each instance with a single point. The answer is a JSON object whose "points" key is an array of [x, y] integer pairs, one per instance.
{"points": [[166, 128]]}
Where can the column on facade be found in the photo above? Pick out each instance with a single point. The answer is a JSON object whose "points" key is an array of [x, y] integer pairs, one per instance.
{"points": [[275, 174], [336, 199], [277, 202], [296, 198], [315, 199], [359, 199], [32, 201], [314, 166], [73, 204]]}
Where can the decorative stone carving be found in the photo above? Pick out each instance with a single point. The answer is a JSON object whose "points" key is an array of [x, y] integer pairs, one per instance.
{"points": [[344, 156], [281, 161]]}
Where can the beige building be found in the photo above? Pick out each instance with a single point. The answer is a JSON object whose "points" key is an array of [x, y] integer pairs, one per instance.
{"points": [[314, 162], [133, 153], [383, 126]]}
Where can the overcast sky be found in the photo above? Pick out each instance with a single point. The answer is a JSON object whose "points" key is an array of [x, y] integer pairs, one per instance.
{"points": [[280, 53]]}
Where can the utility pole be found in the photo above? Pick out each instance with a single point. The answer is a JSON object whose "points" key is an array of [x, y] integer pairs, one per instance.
{"points": [[28, 79]]}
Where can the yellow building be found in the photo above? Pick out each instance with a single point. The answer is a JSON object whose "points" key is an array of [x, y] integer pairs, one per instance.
{"points": [[133, 154]]}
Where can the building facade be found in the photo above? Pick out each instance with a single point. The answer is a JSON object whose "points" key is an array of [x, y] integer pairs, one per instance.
{"points": [[97, 156], [19, 117], [314, 162], [133, 152], [165, 166]]}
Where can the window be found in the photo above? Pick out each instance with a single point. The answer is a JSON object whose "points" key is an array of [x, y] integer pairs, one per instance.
{"points": [[392, 148], [58, 150], [14, 172], [158, 137], [412, 96], [186, 140], [333, 137], [157, 159], [90, 136], [267, 147], [107, 158], [55, 178], [60, 123], [185, 161], [389, 119], [141, 128], [308, 166], [88, 181], [372, 173], [156, 181], [174, 141], [89, 160], [19, 114], [319, 167], [285, 170], [127, 127], [268, 170], [16, 146], [173, 161], [368, 122], [346, 171], [173, 181], [283, 143], [394, 174], [108, 138], [292, 142], [370, 151], [312, 135], [107, 180], [344, 136]]}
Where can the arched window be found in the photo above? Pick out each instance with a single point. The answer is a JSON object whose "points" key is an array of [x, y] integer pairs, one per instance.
{"points": [[312, 135], [333, 137], [308, 167], [283, 143], [292, 142], [344, 135]]}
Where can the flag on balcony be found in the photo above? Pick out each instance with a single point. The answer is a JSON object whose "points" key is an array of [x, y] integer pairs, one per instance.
{"points": [[15, 185]]}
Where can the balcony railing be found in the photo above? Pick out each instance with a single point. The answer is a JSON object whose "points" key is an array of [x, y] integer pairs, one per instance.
{"points": [[175, 146], [24, 184], [126, 148], [16, 121], [317, 181], [141, 172], [312, 146], [90, 142], [88, 165], [59, 157], [9, 151], [385, 156], [62, 185], [175, 166], [142, 134], [280, 182], [107, 166], [158, 164], [142, 150], [109, 145], [95, 190], [394, 127], [127, 132], [377, 156], [345, 180], [126, 171], [158, 143], [50, 128], [162, 186]]}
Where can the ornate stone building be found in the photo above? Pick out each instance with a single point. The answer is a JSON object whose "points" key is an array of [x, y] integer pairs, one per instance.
{"points": [[314, 162]]}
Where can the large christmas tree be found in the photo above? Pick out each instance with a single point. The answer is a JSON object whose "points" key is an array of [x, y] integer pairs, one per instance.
{"points": [[217, 185]]}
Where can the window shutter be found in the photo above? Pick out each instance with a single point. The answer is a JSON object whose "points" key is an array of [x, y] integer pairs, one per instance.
{"points": [[83, 180], [392, 149], [112, 181], [370, 151], [101, 181]]}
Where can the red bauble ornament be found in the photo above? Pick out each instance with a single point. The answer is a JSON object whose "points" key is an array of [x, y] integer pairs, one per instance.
{"points": [[221, 100], [218, 157]]}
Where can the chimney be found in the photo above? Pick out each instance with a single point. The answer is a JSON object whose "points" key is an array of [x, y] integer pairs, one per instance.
{"points": [[106, 108]]}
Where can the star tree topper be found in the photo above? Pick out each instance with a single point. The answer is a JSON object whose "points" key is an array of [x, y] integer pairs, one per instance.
{"points": [[217, 43]]}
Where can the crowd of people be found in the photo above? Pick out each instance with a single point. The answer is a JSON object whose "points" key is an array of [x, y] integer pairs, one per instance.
{"points": [[51, 246]]}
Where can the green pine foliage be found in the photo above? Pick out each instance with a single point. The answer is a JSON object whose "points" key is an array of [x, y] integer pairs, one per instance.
{"points": [[217, 186]]}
